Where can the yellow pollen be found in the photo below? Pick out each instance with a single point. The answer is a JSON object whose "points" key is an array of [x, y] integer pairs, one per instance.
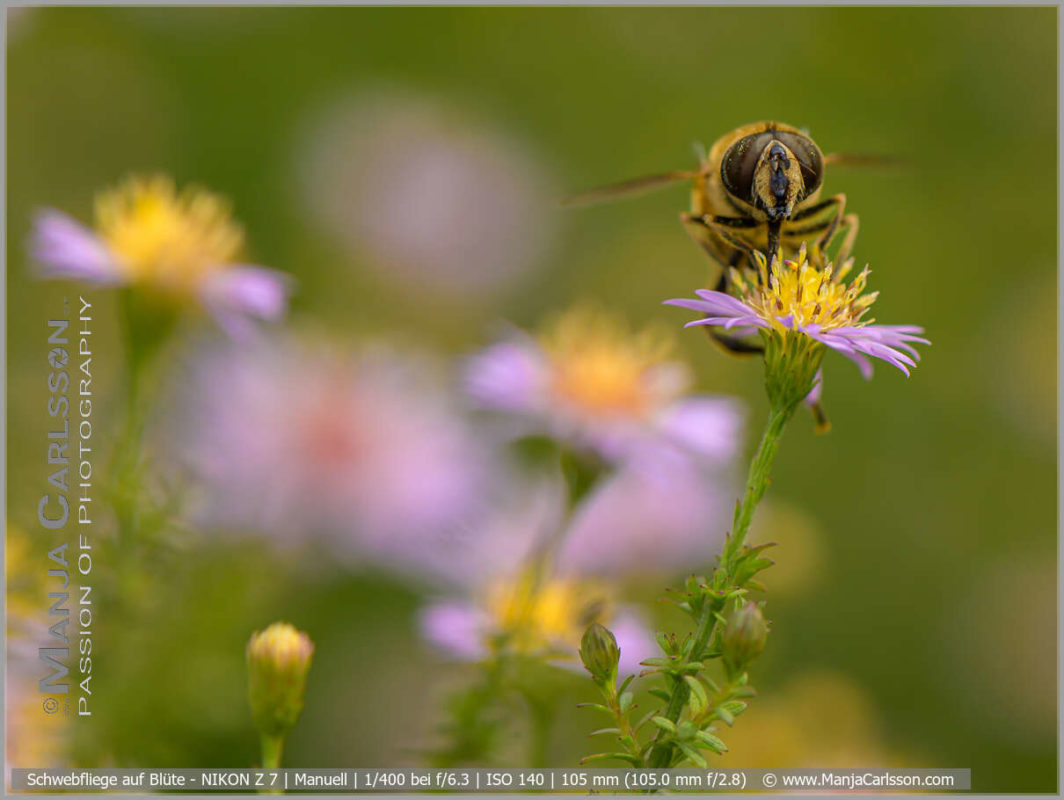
{"points": [[810, 294], [601, 368], [164, 238], [537, 616]]}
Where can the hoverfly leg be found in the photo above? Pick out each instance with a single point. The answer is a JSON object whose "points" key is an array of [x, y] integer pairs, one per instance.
{"points": [[848, 224], [733, 344]]}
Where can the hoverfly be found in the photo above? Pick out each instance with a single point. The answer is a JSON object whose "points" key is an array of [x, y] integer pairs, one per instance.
{"points": [[757, 189]]}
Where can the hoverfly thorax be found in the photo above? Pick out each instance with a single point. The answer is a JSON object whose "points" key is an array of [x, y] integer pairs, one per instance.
{"points": [[772, 171]]}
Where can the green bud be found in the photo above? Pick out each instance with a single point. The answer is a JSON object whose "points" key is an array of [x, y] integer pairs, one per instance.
{"points": [[278, 663], [599, 652], [744, 636]]}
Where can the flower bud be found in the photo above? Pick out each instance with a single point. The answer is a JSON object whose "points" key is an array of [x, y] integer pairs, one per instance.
{"points": [[744, 635], [278, 663], [599, 652]]}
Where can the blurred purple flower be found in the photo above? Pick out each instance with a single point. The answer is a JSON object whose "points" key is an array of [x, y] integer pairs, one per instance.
{"points": [[360, 451], [182, 246], [544, 620], [425, 197], [590, 381], [663, 512]]}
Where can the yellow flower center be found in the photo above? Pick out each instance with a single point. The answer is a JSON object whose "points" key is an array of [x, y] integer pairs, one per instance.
{"points": [[800, 289], [600, 368], [164, 238], [542, 616]]}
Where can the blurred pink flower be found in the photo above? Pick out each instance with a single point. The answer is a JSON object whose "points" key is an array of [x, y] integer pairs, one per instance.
{"points": [[425, 196], [661, 513], [592, 382], [361, 451]]}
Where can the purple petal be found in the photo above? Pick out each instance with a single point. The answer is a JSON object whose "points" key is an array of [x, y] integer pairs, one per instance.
{"points": [[817, 391], [455, 627], [64, 248], [239, 294], [634, 639], [508, 376], [715, 303], [710, 426]]}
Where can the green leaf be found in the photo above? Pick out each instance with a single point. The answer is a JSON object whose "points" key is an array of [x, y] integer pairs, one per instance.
{"points": [[626, 702], [733, 707], [661, 694], [665, 724], [724, 715], [692, 755], [699, 699], [711, 742], [616, 731], [596, 706], [625, 682], [656, 662]]}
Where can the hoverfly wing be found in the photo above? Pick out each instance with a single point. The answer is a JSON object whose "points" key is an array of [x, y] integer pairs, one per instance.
{"points": [[629, 188]]}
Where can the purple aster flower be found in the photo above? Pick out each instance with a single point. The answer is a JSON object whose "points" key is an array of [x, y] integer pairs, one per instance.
{"points": [[799, 299], [181, 245], [590, 381]]}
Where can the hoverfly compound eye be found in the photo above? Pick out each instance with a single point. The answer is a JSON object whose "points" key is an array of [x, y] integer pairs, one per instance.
{"points": [[738, 165], [810, 161]]}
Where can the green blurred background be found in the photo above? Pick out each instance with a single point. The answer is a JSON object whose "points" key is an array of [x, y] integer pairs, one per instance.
{"points": [[922, 630]]}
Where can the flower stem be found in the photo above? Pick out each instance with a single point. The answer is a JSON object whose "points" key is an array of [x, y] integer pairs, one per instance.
{"points": [[756, 484], [272, 748]]}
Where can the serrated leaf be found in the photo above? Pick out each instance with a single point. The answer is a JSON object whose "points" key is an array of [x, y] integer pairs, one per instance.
{"points": [[625, 703], [692, 755], [633, 760], [664, 723], [712, 742]]}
